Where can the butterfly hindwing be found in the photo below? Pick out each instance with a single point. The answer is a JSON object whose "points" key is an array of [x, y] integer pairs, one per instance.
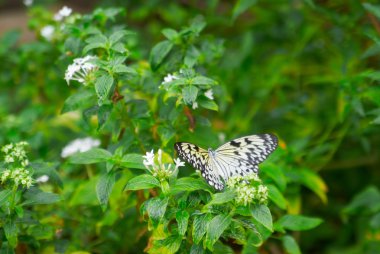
{"points": [[199, 159]]}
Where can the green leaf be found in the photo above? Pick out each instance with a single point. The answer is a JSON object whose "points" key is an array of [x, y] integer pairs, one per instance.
{"points": [[79, 100], [95, 155], [35, 196], [119, 47], [103, 85], [169, 245], [117, 36], [166, 134], [4, 194], [156, 208], [241, 6], [182, 218], [104, 188], [314, 182], [209, 104], [132, 161], [296, 223], [368, 199], [203, 82], [189, 184], [374, 9], [221, 198], [189, 94], [170, 34], [121, 68], [216, 228], [196, 249], [276, 196], [158, 54], [11, 231], [274, 172], [290, 245], [200, 226], [141, 182], [92, 46], [104, 112], [261, 214]]}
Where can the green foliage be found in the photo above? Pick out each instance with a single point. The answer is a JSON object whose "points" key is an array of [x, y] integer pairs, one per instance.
{"points": [[143, 76]]}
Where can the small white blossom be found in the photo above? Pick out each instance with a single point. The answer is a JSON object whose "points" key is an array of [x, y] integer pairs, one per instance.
{"points": [[209, 94], [28, 2], [149, 158], [195, 105], [79, 145], [178, 163], [62, 13], [169, 78], [42, 179], [47, 32], [80, 69]]}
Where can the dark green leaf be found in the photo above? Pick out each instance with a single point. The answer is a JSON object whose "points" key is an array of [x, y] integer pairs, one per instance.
{"points": [[104, 188], [189, 94], [200, 226], [103, 85], [196, 249], [142, 182], [156, 208], [78, 100], [159, 52], [262, 214], [182, 218], [190, 184], [297, 223], [221, 198], [276, 196], [209, 104], [132, 161], [35, 196], [95, 155], [11, 232], [290, 245], [4, 194], [216, 228], [170, 34]]}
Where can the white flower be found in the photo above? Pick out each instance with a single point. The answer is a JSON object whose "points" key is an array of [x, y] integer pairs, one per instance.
{"points": [[79, 145], [209, 94], [80, 69], [169, 78], [62, 13], [178, 163], [28, 2], [195, 105], [149, 159], [42, 179], [47, 32]]}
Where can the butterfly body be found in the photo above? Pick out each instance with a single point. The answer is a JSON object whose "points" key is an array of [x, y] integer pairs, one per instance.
{"points": [[240, 156]]}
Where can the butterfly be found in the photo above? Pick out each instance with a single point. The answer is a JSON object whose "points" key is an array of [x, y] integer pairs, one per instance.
{"points": [[240, 156]]}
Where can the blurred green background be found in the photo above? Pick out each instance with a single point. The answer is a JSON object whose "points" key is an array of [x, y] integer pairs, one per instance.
{"points": [[308, 71]]}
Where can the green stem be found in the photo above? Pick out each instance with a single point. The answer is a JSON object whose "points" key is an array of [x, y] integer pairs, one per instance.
{"points": [[13, 197]]}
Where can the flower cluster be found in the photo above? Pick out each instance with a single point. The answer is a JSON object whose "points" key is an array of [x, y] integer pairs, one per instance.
{"points": [[80, 70], [79, 145], [15, 153], [16, 160], [249, 189], [20, 176], [157, 168]]}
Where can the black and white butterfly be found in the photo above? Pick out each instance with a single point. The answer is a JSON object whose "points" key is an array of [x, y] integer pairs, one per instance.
{"points": [[240, 156]]}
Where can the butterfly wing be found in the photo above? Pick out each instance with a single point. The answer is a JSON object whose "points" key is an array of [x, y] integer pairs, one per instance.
{"points": [[199, 159], [241, 156]]}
